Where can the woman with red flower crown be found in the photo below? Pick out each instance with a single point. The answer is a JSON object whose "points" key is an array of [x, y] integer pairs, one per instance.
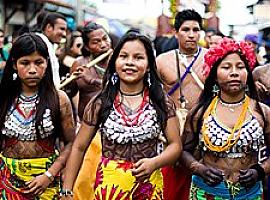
{"points": [[134, 118], [226, 134]]}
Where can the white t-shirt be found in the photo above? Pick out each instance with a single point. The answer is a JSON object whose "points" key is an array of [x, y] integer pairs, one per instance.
{"points": [[53, 59]]}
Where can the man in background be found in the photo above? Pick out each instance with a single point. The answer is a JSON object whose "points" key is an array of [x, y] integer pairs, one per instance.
{"points": [[185, 64], [53, 27]]}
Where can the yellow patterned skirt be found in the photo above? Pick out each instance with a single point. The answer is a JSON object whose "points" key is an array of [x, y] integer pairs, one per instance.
{"points": [[14, 173], [114, 181]]}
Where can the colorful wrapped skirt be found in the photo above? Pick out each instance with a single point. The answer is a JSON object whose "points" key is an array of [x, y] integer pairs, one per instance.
{"points": [[14, 173], [114, 181], [223, 191], [84, 185]]}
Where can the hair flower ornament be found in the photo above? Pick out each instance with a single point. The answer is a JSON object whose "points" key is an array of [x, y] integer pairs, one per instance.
{"points": [[225, 47]]}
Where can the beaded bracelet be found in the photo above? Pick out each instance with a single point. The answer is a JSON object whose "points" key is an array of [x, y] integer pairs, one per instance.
{"points": [[66, 192], [260, 171]]}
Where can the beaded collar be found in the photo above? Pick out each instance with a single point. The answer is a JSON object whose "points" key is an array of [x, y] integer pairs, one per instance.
{"points": [[247, 136], [135, 128], [251, 138], [20, 120]]}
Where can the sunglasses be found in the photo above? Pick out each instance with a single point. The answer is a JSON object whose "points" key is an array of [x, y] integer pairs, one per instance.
{"points": [[79, 45]]}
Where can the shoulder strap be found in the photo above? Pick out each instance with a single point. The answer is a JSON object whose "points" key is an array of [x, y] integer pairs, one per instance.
{"points": [[177, 85], [181, 97], [189, 67]]}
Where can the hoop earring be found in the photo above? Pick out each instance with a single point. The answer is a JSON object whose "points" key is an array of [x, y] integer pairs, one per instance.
{"points": [[114, 78], [149, 79], [215, 90], [14, 76]]}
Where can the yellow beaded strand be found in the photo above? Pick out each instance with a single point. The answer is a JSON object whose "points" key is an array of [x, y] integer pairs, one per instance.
{"points": [[237, 126]]}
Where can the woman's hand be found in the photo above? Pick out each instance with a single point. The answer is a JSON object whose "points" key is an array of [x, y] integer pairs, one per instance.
{"points": [[143, 168], [248, 177], [38, 185], [210, 175]]}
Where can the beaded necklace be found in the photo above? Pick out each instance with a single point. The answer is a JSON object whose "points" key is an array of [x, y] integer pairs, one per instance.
{"points": [[132, 120], [231, 106], [27, 105], [237, 127], [21, 119]]}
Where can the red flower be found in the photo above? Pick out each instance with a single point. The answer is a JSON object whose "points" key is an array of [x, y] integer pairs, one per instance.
{"points": [[226, 46]]}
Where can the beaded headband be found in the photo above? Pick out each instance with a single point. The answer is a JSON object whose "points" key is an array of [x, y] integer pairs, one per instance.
{"points": [[226, 46]]}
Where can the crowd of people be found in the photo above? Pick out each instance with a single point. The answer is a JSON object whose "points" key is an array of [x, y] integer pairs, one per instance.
{"points": [[85, 117]]}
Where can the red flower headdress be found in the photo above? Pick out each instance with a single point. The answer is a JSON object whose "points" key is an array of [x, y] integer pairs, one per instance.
{"points": [[225, 46]]}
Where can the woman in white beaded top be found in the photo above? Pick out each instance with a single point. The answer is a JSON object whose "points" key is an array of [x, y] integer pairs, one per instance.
{"points": [[134, 117], [36, 123], [226, 134]]}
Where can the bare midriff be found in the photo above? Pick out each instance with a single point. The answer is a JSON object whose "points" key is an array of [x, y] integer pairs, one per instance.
{"points": [[28, 149], [230, 166]]}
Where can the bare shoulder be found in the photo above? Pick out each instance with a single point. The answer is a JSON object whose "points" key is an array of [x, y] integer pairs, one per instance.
{"points": [[63, 98], [265, 109], [164, 58], [166, 62], [265, 121], [261, 111]]}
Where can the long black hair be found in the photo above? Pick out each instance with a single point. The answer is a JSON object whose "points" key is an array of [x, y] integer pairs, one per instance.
{"points": [[10, 89], [156, 93], [207, 95]]}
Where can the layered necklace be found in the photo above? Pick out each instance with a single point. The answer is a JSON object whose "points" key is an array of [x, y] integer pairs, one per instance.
{"points": [[232, 139], [131, 119], [27, 105]]}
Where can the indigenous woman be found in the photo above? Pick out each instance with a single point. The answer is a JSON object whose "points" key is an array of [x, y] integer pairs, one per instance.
{"points": [[96, 42], [35, 121], [133, 116], [226, 134]]}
